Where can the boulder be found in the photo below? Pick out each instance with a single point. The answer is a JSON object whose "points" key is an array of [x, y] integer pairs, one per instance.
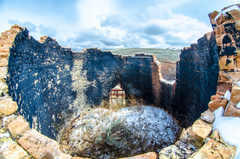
{"points": [[150, 155], [229, 77], [37, 144], [7, 107], [208, 116], [11, 150], [197, 133], [232, 111], [235, 94], [234, 14], [216, 136], [216, 103], [18, 126], [181, 149], [215, 149]]}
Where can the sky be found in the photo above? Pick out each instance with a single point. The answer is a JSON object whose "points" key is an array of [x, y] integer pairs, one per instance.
{"points": [[109, 24]]}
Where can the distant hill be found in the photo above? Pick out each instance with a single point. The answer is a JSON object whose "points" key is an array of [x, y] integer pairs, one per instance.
{"points": [[161, 54]]}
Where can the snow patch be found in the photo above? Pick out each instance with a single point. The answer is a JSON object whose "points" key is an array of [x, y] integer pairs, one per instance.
{"points": [[227, 95], [167, 82], [238, 105], [238, 83], [4, 135], [228, 128]]}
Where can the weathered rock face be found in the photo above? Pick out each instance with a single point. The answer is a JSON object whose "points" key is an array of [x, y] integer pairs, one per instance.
{"points": [[197, 77], [50, 82]]}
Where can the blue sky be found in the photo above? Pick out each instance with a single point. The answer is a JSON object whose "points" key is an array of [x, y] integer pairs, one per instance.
{"points": [[108, 24]]}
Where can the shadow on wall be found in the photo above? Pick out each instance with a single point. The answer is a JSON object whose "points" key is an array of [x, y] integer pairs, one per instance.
{"points": [[197, 77]]}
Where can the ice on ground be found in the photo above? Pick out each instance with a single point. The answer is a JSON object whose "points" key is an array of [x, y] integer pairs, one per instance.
{"points": [[229, 128]]}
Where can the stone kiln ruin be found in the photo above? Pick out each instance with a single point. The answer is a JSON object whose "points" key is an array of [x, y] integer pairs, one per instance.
{"points": [[50, 82]]}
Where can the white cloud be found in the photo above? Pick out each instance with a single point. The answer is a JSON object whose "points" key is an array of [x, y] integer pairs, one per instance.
{"points": [[104, 24], [91, 10]]}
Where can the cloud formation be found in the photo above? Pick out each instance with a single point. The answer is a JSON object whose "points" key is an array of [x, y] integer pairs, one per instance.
{"points": [[111, 24], [30, 26]]}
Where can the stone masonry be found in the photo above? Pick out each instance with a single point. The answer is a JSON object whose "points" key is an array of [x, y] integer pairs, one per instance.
{"points": [[51, 83]]}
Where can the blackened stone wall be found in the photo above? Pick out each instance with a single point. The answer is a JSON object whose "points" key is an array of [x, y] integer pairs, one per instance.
{"points": [[197, 77], [40, 81], [52, 84]]}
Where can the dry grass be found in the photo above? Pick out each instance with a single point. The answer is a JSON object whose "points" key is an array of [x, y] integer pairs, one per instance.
{"points": [[105, 137]]}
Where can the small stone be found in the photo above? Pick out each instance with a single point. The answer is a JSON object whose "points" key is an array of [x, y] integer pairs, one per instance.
{"points": [[11, 150], [6, 120], [235, 95], [208, 116], [3, 62], [7, 107], [150, 155], [226, 63], [3, 89], [232, 111], [237, 25], [3, 74], [213, 97], [215, 149], [171, 151], [37, 144], [186, 148], [18, 126]]}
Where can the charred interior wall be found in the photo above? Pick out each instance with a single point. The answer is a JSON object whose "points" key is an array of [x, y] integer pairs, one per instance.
{"points": [[51, 83], [196, 79]]}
